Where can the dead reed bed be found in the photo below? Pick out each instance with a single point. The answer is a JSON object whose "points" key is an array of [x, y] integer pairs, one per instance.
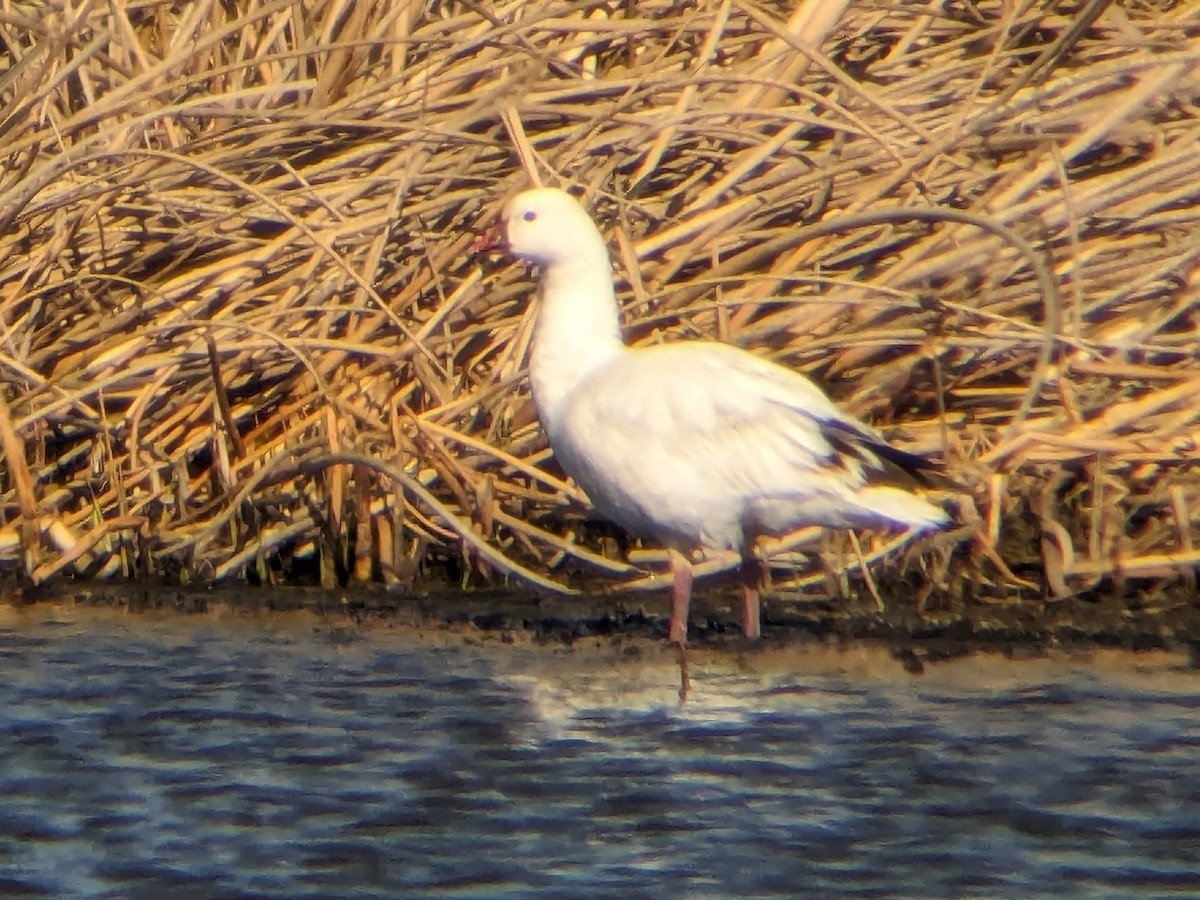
{"points": [[243, 336]]}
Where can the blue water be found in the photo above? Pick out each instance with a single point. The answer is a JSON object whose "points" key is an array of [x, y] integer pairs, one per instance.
{"points": [[199, 758]]}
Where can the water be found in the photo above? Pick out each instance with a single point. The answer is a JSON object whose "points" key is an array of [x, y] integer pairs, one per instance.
{"points": [[194, 757]]}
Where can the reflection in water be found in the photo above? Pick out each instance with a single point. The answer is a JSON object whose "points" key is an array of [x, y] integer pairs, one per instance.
{"points": [[204, 758]]}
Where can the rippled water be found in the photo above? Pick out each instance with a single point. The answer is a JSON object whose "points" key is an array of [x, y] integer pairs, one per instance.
{"points": [[201, 758]]}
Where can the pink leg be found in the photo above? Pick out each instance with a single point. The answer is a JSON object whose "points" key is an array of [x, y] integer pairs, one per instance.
{"points": [[681, 595], [750, 576]]}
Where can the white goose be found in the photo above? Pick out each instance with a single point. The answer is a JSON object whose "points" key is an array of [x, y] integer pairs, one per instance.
{"points": [[697, 445]]}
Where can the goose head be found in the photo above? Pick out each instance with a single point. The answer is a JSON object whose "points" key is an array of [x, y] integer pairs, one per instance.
{"points": [[547, 226]]}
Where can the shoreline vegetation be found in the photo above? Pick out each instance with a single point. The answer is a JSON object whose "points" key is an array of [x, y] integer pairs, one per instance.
{"points": [[243, 338]]}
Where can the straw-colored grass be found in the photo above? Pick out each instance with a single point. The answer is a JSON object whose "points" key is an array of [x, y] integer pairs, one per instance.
{"points": [[241, 326]]}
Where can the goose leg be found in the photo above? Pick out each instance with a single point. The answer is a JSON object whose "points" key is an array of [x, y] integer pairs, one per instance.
{"points": [[750, 574], [681, 595]]}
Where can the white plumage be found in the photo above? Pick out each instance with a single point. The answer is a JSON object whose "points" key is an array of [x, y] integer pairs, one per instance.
{"points": [[695, 444]]}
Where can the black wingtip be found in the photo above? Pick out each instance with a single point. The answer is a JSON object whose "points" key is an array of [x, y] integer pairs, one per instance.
{"points": [[925, 471], [892, 463]]}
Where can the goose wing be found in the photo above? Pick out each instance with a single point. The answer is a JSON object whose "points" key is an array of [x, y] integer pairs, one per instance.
{"points": [[698, 437]]}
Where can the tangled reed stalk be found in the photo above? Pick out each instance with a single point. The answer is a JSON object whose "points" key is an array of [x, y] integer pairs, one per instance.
{"points": [[242, 334]]}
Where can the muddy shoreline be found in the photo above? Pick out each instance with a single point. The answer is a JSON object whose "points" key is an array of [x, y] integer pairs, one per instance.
{"points": [[632, 623]]}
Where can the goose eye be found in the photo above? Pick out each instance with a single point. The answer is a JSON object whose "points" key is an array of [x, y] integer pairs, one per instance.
{"points": [[529, 215]]}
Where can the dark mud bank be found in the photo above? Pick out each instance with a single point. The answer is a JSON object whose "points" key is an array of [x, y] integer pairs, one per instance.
{"points": [[1017, 630]]}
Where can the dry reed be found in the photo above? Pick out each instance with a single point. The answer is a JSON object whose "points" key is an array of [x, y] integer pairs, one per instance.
{"points": [[241, 326]]}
